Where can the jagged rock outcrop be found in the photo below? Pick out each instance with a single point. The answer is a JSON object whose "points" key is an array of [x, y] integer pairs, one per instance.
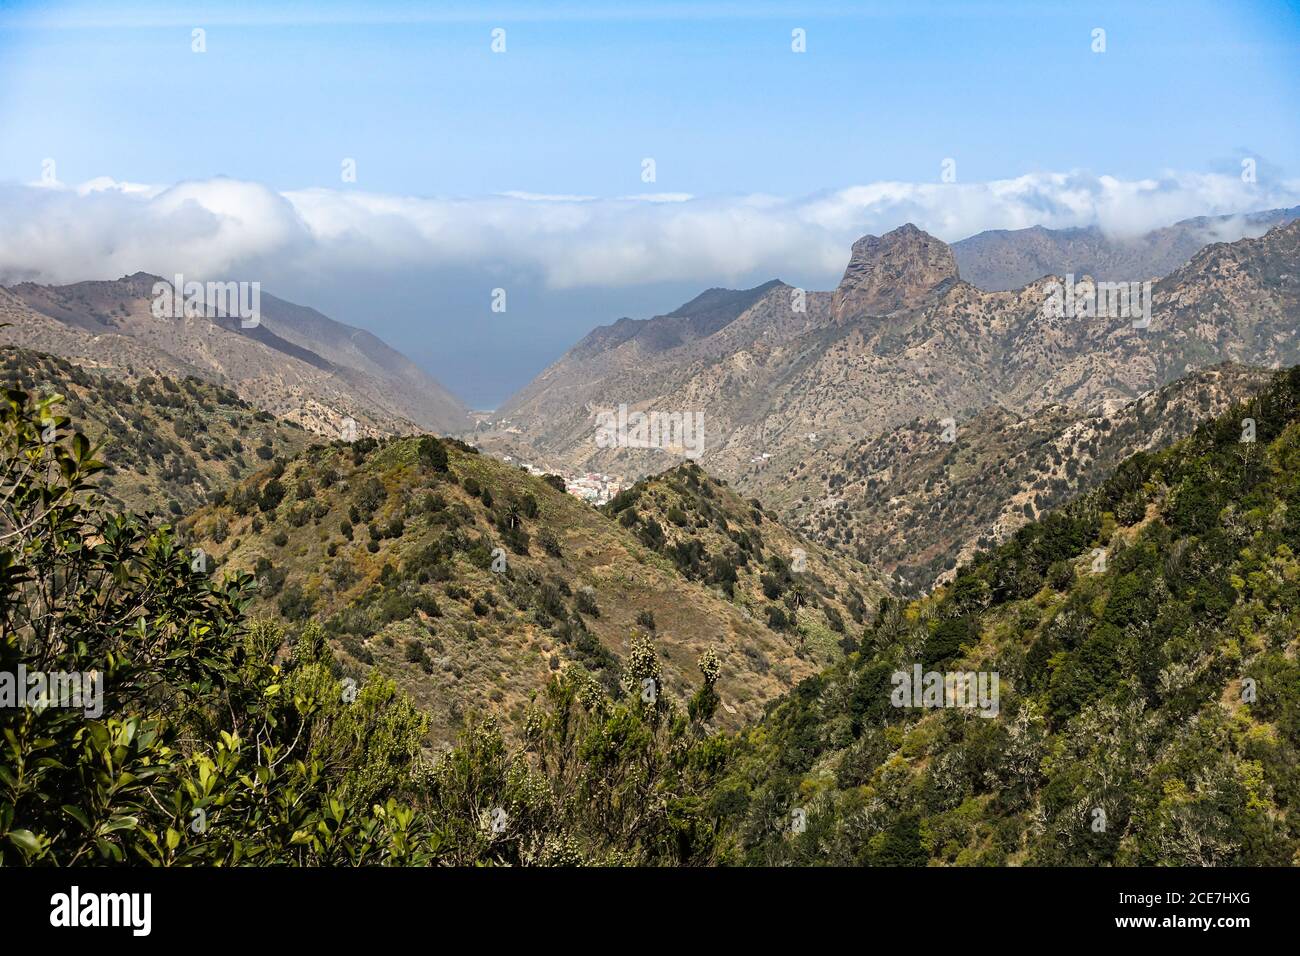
{"points": [[898, 270]]}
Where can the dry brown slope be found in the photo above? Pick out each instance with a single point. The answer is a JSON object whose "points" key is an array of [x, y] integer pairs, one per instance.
{"points": [[111, 325]]}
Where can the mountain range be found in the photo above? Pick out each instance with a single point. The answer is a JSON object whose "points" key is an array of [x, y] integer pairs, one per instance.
{"points": [[308, 368], [1094, 517], [789, 380], [294, 362], [1004, 259], [905, 418]]}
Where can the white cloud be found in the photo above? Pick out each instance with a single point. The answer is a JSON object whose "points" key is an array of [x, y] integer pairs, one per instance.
{"points": [[224, 227], [545, 197]]}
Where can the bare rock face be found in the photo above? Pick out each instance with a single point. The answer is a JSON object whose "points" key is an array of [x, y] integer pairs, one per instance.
{"points": [[898, 270]]}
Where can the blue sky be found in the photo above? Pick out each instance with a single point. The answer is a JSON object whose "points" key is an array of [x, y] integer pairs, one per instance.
{"points": [[712, 92]]}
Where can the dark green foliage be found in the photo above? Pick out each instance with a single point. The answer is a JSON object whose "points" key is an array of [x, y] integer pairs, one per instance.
{"points": [[777, 619], [432, 454], [271, 496], [549, 542], [652, 534], [197, 719], [946, 641], [1147, 676], [416, 654]]}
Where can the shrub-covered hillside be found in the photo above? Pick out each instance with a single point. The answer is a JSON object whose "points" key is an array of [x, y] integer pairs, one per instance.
{"points": [[181, 732], [471, 582], [1145, 637], [716, 537], [167, 443]]}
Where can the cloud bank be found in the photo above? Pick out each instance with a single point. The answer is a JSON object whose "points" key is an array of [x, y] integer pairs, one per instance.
{"points": [[229, 228]]}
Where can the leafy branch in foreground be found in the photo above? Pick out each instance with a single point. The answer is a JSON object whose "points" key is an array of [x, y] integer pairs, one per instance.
{"points": [[206, 739], [191, 742]]}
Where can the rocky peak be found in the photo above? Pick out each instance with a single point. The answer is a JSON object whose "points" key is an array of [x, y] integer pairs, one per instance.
{"points": [[895, 271]]}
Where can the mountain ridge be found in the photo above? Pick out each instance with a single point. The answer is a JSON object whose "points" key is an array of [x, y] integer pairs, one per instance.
{"points": [[774, 374], [294, 362], [1004, 259]]}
